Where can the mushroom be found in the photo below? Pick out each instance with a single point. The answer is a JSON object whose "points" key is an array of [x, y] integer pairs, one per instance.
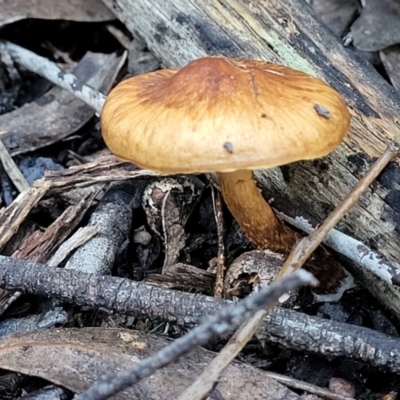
{"points": [[227, 116]]}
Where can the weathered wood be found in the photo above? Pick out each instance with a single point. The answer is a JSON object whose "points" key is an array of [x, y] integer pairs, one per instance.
{"points": [[180, 30]]}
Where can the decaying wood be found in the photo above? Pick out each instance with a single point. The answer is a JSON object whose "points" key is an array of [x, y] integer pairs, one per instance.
{"points": [[287, 32], [184, 277], [40, 245], [12, 216], [289, 328], [103, 170]]}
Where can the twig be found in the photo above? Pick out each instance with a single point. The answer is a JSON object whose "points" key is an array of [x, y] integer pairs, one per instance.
{"points": [[298, 256], [11, 168], [308, 387], [226, 320], [221, 258], [55, 74]]}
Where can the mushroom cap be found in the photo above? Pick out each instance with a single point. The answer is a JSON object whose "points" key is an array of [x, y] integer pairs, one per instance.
{"points": [[221, 114]]}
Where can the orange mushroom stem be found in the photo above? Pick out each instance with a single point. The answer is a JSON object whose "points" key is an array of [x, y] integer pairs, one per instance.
{"points": [[253, 213]]}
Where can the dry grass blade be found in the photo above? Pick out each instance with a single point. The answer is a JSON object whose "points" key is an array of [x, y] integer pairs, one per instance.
{"points": [[296, 259]]}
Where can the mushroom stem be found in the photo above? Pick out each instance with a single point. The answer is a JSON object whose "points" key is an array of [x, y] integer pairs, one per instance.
{"points": [[253, 213]]}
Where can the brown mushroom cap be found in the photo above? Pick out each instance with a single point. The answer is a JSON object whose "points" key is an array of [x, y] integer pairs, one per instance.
{"points": [[220, 114]]}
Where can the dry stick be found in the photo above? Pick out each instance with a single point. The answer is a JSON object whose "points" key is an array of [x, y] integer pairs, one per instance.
{"points": [[224, 321], [353, 249], [307, 387], [55, 74], [298, 256], [221, 258], [304, 247], [11, 169]]}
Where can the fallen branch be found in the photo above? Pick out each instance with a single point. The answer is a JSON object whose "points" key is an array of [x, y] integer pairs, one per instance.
{"points": [[288, 328]]}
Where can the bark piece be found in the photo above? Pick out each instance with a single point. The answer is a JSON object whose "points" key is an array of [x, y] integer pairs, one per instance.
{"points": [[40, 245], [13, 216], [102, 170], [184, 277]]}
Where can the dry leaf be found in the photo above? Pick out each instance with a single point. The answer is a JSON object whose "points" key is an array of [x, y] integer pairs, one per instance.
{"points": [[75, 358]]}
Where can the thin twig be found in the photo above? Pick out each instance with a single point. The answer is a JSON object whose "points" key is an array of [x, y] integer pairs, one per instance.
{"points": [[224, 321], [353, 249], [308, 387], [298, 256], [55, 74], [11, 169]]}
